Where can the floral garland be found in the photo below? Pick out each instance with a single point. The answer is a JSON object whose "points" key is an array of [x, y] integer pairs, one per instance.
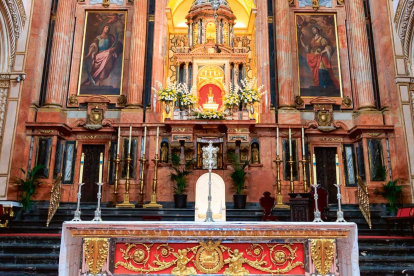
{"points": [[232, 98], [251, 93], [188, 97], [169, 93], [209, 114]]}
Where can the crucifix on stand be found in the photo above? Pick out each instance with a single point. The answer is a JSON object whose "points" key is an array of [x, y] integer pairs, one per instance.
{"points": [[210, 162]]}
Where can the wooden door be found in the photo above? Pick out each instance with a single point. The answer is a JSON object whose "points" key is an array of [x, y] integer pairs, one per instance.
{"points": [[91, 172], [326, 171]]}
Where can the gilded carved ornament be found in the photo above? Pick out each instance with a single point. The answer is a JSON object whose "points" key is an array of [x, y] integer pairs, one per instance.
{"points": [[322, 251], [299, 102], [122, 100], [73, 100], [96, 252], [346, 101]]}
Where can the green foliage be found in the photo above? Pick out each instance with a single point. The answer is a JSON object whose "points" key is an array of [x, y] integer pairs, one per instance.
{"points": [[391, 192], [29, 185], [238, 176], [179, 176]]}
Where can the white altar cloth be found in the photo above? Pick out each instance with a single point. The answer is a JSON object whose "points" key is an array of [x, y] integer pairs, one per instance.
{"points": [[72, 233]]}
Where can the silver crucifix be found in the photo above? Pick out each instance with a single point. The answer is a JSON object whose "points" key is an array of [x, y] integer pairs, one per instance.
{"points": [[210, 161]]}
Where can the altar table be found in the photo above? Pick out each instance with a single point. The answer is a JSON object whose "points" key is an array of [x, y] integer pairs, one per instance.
{"points": [[219, 248]]}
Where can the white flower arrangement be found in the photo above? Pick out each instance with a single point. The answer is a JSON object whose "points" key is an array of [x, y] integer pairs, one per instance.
{"points": [[168, 93], [232, 98], [188, 97], [251, 93], [209, 114]]}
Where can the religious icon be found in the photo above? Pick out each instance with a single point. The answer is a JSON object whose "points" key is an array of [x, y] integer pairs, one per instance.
{"points": [[318, 55], [255, 154], [103, 53], [164, 153]]}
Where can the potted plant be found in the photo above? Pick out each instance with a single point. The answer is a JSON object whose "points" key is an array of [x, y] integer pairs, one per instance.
{"points": [[29, 185], [238, 177], [392, 193], [179, 176]]}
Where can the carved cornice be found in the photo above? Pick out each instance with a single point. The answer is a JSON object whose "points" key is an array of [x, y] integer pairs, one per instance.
{"points": [[404, 23], [15, 17]]}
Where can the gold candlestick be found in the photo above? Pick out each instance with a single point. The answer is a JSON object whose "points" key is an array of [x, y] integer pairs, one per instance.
{"points": [[279, 198], [117, 161], [304, 161], [140, 203], [153, 203], [292, 184], [126, 203]]}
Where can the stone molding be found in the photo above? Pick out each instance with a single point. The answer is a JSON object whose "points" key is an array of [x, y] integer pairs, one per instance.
{"points": [[404, 24], [14, 16]]}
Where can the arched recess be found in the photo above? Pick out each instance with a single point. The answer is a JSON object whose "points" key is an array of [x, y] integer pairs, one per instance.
{"points": [[12, 20], [404, 24]]}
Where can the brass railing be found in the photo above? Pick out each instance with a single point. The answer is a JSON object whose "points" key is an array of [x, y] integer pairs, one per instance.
{"points": [[363, 198], [54, 198]]}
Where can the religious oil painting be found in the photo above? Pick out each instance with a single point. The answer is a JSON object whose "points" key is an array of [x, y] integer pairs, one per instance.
{"points": [[318, 55], [102, 58]]}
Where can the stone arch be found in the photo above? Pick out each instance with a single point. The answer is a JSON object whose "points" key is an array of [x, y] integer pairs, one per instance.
{"points": [[12, 20], [404, 24]]}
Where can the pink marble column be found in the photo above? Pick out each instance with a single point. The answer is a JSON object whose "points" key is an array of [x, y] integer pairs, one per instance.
{"points": [[284, 54], [138, 40], [361, 66], [60, 55]]}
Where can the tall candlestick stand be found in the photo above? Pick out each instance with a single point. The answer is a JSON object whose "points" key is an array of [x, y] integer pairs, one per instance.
{"points": [[78, 211], [279, 198], [292, 184], [140, 203], [339, 213], [304, 161], [98, 208], [316, 213], [117, 161], [153, 203], [126, 203]]}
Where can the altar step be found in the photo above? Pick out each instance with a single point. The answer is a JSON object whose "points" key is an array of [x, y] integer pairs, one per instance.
{"points": [[384, 256], [29, 254]]}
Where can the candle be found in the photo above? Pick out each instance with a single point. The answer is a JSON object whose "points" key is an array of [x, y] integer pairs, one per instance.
{"points": [[119, 141], [337, 169], [290, 142], [277, 141], [130, 134], [145, 139], [81, 167], [303, 141], [158, 135], [314, 170], [100, 167]]}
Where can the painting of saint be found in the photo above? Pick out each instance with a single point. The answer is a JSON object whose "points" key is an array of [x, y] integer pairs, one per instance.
{"points": [[103, 53], [318, 57]]}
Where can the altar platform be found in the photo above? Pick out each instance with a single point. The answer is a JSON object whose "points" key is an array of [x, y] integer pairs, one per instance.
{"points": [[225, 248]]}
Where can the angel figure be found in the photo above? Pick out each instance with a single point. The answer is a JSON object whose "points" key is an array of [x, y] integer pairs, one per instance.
{"points": [[182, 260], [235, 262]]}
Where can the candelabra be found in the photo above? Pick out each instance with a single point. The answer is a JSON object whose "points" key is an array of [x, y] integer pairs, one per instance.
{"points": [[339, 213], [78, 212], [304, 161], [316, 213], [153, 203], [126, 203], [292, 184], [117, 161], [141, 183], [98, 208], [279, 198]]}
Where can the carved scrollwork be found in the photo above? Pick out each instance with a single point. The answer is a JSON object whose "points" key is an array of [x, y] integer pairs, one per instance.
{"points": [[96, 253], [323, 251]]}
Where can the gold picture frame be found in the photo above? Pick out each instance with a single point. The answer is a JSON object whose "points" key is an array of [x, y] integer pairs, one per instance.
{"points": [[102, 56], [317, 53]]}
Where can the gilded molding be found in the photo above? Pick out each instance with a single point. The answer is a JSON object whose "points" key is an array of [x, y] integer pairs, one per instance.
{"points": [[323, 251], [96, 252]]}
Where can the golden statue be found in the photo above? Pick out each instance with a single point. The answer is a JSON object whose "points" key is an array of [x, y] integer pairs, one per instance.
{"points": [[182, 260], [236, 264], [211, 104], [164, 153], [255, 154]]}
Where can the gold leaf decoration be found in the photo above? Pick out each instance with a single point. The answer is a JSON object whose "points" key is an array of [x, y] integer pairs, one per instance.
{"points": [[322, 251], [96, 252]]}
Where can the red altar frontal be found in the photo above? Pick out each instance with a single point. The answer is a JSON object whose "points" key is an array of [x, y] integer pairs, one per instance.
{"points": [[188, 248]]}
